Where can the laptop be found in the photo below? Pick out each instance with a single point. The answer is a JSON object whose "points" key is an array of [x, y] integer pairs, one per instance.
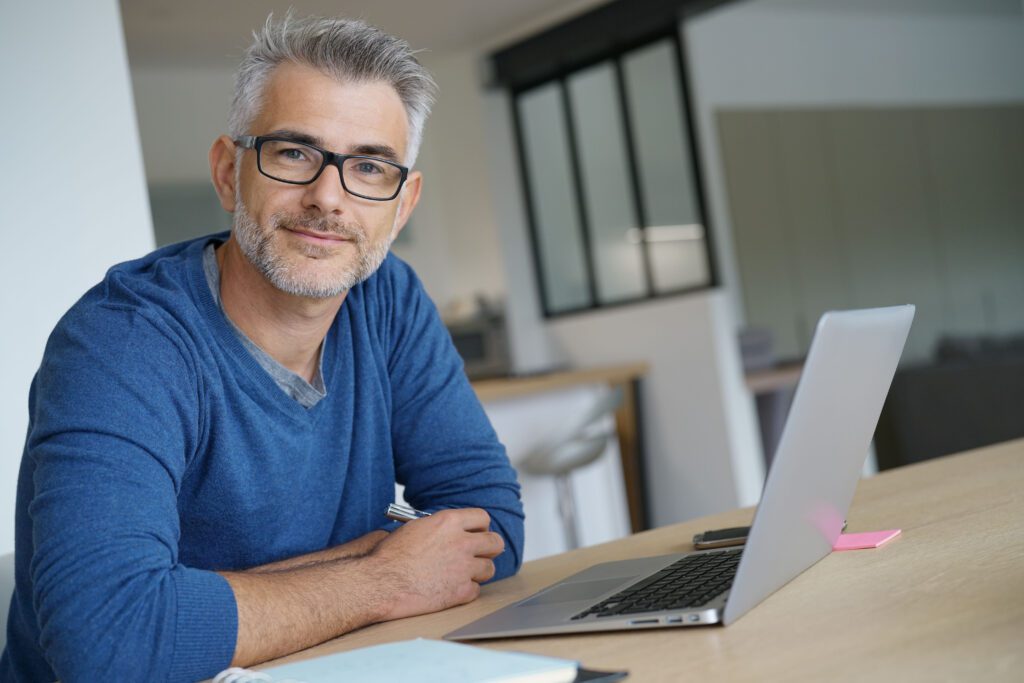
{"points": [[817, 465]]}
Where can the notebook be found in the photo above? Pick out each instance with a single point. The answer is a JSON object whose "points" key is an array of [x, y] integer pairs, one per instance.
{"points": [[416, 661]]}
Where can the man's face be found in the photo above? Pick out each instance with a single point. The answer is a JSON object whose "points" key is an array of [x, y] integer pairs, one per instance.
{"points": [[317, 240]]}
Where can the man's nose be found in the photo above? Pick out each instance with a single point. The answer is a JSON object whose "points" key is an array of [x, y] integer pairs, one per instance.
{"points": [[326, 192]]}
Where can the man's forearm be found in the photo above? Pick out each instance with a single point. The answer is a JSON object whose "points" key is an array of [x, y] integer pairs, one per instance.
{"points": [[298, 602], [285, 610], [424, 566], [356, 548]]}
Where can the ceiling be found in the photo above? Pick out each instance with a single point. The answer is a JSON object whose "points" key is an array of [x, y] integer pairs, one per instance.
{"points": [[215, 32], [1006, 8]]}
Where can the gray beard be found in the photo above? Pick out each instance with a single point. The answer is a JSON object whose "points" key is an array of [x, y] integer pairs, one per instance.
{"points": [[257, 246]]}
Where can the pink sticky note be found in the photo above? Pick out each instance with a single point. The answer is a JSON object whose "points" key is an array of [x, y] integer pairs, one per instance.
{"points": [[867, 539]]}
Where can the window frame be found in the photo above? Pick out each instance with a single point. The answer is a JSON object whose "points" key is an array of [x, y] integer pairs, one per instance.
{"points": [[560, 77]]}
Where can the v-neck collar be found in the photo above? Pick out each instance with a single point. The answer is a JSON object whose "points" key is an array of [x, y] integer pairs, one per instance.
{"points": [[260, 384], [307, 394]]}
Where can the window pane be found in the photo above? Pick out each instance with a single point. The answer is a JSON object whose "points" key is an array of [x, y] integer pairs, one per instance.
{"points": [[549, 172], [607, 189], [675, 230]]}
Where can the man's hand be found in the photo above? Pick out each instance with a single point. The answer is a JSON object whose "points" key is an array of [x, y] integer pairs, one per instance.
{"points": [[436, 562], [426, 565]]}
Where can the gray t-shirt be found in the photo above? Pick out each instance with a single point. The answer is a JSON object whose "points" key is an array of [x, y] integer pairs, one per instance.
{"points": [[307, 395]]}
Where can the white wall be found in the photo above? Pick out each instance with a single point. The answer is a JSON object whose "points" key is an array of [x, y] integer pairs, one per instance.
{"points": [[454, 166], [75, 202], [702, 453], [766, 53], [181, 112], [532, 347]]}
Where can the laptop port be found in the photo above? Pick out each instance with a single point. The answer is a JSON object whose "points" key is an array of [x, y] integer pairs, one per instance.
{"points": [[638, 622], [675, 620]]}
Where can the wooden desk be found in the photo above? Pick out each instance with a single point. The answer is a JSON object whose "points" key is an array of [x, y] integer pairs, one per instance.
{"points": [[944, 601], [628, 422], [773, 379]]}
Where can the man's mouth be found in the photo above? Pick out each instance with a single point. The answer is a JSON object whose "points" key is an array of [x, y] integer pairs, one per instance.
{"points": [[318, 237]]}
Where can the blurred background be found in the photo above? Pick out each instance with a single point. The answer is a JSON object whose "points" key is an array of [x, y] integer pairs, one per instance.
{"points": [[634, 213]]}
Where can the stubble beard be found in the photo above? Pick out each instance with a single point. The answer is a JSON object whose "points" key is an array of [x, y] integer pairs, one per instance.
{"points": [[284, 269]]}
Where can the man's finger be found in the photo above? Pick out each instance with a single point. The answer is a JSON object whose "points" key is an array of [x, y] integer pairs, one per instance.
{"points": [[468, 519], [483, 570], [476, 519], [491, 545]]}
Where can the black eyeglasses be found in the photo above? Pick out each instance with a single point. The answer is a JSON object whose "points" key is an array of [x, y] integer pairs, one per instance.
{"points": [[298, 163]]}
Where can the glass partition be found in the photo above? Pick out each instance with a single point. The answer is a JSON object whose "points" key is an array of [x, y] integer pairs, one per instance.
{"points": [[611, 181], [556, 221], [674, 230], [606, 183]]}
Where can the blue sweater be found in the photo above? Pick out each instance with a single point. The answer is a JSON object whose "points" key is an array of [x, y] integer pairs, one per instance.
{"points": [[159, 451]]}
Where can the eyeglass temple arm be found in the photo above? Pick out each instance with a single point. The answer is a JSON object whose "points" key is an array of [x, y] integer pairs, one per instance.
{"points": [[246, 141]]}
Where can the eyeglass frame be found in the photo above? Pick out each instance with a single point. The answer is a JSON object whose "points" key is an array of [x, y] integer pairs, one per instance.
{"points": [[255, 142]]}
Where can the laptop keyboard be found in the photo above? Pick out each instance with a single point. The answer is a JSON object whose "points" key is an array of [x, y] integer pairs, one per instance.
{"points": [[690, 582]]}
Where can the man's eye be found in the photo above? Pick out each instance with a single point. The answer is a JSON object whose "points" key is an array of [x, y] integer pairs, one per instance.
{"points": [[292, 154], [369, 168]]}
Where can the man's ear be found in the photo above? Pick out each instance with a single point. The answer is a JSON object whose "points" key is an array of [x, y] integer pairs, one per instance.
{"points": [[222, 171], [407, 201]]}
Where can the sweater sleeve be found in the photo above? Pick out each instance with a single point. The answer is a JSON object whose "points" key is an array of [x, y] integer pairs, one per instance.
{"points": [[115, 420], [447, 455]]}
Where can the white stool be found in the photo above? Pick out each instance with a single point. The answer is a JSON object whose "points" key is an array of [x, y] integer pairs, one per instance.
{"points": [[576, 447]]}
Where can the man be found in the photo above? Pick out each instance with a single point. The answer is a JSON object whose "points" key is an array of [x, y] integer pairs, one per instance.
{"points": [[216, 429]]}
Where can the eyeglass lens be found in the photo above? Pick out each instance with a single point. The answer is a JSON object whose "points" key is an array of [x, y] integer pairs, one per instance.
{"points": [[295, 162]]}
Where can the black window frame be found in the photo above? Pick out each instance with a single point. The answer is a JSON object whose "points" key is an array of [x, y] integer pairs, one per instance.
{"points": [[560, 76]]}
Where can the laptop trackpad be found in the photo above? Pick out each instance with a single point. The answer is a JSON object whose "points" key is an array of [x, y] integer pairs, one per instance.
{"points": [[570, 592]]}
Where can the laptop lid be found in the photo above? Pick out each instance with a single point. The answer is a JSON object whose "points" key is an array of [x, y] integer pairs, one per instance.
{"points": [[816, 467]]}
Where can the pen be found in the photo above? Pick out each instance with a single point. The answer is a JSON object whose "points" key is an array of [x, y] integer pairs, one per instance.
{"points": [[404, 513]]}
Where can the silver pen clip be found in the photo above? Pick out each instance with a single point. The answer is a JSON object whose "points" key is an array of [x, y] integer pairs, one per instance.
{"points": [[404, 513]]}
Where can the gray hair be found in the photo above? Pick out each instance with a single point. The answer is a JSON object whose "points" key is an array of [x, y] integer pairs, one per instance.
{"points": [[345, 49]]}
